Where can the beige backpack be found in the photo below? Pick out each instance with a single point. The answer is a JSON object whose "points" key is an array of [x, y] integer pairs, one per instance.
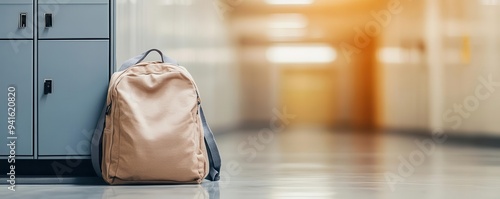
{"points": [[153, 130]]}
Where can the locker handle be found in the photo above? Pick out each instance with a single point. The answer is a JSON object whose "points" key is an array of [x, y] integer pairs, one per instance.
{"points": [[47, 86], [22, 20], [48, 20]]}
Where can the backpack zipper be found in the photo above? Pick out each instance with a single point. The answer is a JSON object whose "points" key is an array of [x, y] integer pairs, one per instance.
{"points": [[108, 108]]}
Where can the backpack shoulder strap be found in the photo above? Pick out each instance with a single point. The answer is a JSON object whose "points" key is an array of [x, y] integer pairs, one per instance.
{"points": [[212, 150], [96, 143]]}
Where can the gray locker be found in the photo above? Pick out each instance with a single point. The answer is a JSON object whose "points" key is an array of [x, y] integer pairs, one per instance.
{"points": [[67, 115], [70, 44], [17, 71], [73, 19], [16, 19]]}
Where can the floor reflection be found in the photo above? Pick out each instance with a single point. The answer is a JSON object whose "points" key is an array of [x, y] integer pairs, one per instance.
{"points": [[208, 190], [319, 163]]}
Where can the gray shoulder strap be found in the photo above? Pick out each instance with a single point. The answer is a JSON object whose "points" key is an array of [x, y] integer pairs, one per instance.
{"points": [[96, 143], [212, 150]]}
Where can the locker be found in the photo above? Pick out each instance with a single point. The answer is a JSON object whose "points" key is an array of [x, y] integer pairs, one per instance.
{"points": [[59, 56], [73, 19], [17, 71], [16, 19], [67, 115]]}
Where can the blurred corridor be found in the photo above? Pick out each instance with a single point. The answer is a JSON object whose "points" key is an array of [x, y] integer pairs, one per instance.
{"points": [[387, 64], [385, 68], [328, 98], [367, 82], [395, 64]]}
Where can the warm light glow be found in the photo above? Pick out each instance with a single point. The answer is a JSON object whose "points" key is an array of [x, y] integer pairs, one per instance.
{"points": [[286, 27], [289, 2], [285, 34], [398, 55], [490, 2], [287, 21], [307, 53], [392, 55], [177, 2]]}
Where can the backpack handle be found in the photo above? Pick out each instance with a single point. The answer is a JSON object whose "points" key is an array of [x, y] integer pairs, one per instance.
{"points": [[137, 59], [147, 53]]}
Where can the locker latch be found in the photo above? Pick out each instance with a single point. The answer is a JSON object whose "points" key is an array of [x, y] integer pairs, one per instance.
{"points": [[22, 20], [48, 20], [47, 86]]}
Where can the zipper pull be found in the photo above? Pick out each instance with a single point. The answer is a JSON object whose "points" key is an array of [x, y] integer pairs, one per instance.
{"points": [[108, 109], [198, 107]]}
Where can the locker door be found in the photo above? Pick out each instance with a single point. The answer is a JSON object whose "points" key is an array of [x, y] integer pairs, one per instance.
{"points": [[16, 19], [73, 19], [69, 108], [16, 71]]}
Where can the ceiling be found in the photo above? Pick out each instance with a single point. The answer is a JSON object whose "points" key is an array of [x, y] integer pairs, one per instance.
{"points": [[328, 21]]}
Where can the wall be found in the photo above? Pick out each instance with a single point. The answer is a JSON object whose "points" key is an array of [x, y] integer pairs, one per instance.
{"points": [[443, 57], [193, 33]]}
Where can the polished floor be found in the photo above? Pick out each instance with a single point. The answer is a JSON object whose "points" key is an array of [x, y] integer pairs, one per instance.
{"points": [[317, 163]]}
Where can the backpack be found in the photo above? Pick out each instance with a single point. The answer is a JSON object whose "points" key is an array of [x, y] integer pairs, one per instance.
{"points": [[152, 129]]}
